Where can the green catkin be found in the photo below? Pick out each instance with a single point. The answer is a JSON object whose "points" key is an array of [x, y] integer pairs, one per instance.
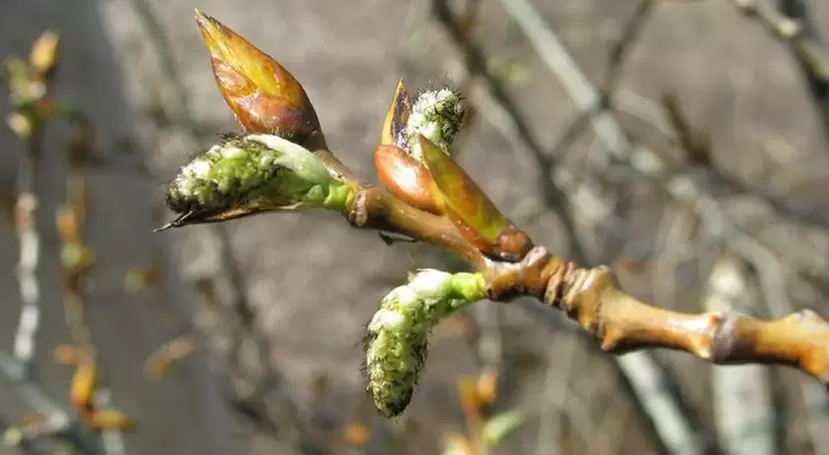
{"points": [[245, 167], [396, 341]]}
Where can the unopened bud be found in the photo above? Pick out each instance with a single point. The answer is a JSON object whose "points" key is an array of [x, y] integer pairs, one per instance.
{"points": [[265, 96]]}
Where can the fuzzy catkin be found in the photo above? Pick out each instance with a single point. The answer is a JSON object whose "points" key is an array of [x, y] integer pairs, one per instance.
{"points": [[396, 342], [245, 167], [437, 115]]}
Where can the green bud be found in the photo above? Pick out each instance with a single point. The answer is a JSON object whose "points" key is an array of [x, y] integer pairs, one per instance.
{"points": [[248, 174], [397, 336], [438, 115]]}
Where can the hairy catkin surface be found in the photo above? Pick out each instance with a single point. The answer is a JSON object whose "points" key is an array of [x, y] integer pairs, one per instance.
{"points": [[244, 167], [438, 115], [396, 342], [216, 178]]}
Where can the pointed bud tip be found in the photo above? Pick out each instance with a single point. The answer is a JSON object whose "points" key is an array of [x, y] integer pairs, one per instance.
{"points": [[202, 19], [164, 227], [265, 96], [212, 31]]}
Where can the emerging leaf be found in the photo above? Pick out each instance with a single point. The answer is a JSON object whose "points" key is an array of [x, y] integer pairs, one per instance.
{"points": [[472, 212], [470, 401], [108, 419], [83, 383], [437, 114], [487, 387], [265, 97]]}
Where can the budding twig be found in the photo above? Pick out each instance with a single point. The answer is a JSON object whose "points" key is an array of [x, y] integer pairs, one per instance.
{"points": [[464, 221], [242, 319]]}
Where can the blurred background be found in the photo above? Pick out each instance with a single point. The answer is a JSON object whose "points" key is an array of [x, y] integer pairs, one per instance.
{"points": [[682, 143]]}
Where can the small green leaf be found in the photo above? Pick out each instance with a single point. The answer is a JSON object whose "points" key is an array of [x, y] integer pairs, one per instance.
{"points": [[500, 426]]}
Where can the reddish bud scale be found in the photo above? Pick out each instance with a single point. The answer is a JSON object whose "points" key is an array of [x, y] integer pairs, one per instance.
{"points": [[405, 178], [259, 112], [264, 96]]}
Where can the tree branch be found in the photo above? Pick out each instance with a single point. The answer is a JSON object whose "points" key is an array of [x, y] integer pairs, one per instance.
{"points": [[375, 208], [806, 48], [463, 221], [592, 297], [622, 323], [580, 207]]}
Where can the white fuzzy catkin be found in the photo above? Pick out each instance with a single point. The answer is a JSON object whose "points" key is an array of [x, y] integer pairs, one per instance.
{"points": [[437, 115]]}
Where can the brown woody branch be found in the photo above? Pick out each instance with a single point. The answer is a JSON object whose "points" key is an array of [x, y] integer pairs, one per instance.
{"points": [[593, 298], [375, 208], [622, 323]]}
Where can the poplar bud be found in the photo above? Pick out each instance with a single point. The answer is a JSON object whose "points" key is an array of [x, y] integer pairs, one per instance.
{"points": [[264, 96]]}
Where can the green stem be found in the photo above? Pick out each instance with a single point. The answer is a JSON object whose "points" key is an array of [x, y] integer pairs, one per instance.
{"points": [[338, 196]]}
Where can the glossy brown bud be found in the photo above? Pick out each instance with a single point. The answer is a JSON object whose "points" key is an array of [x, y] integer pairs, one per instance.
{"points": [[405, 178], [513, 244], [265, 97]]}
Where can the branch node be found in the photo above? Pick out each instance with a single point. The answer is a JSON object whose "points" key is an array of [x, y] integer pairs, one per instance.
{"points": [[723, 339], [357, 215]]}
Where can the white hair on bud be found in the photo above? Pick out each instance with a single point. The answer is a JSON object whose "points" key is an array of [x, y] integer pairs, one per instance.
{"points": [[437, 115]]}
